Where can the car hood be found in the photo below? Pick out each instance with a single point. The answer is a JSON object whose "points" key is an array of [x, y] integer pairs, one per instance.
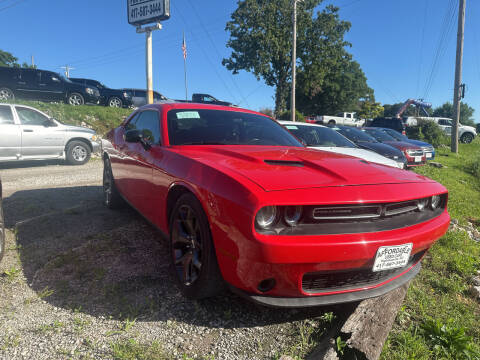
{"points": [[287, 168], [382, 149], [402, 145], [360, 153], [420, 143], [72, 128], [469, 128]]}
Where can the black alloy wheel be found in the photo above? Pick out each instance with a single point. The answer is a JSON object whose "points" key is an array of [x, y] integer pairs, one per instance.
{"points": [[467, 138], [194, 262], [111, 196]]}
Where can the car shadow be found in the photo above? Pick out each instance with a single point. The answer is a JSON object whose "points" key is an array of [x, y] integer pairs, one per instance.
{"points": [[79, 255], [30, 164]]}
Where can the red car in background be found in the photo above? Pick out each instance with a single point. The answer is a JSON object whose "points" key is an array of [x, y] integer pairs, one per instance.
{"points": [[244, 203], [414, 154]]}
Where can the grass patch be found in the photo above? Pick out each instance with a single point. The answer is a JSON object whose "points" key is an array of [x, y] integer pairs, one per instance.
{"points": [[440, 316], [99, 118], [133, 350]]}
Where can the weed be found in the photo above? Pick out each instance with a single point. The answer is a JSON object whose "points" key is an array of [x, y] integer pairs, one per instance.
{"points": [[11, 274], [46, 292], [133, 350], [42, 329], [340, 345], [11, 341]]}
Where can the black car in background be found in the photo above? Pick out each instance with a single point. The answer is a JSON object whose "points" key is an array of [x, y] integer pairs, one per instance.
{"points": [[43, 85], [139, 97], [368, 142], [391, 123], [2, 226], [108, 97]]}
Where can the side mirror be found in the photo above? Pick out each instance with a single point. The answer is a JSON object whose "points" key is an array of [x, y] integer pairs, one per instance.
{"points": [[133, 136]]}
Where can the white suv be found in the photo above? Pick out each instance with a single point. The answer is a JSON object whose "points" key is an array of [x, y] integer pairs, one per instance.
{"points": [[29, 134], [466, 134]]}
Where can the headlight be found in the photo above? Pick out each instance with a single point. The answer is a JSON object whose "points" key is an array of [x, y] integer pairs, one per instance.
{"points": [[435, 201], [421, 204], [266, 216], [95, 137], [292, 215], [89, 91]]}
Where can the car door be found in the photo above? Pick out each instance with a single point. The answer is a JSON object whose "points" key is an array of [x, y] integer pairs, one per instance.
{"points": [[10, 135], [40, 137], [50, 86], [27, 84], [445, 125]]}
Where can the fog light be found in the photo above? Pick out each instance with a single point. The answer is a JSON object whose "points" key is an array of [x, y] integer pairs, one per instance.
{"points": [[435, 202], [266, 285], [421, 204], [292, 215], [266, 216]]}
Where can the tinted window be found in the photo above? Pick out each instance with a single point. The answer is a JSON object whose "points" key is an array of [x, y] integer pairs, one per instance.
{"points": [[219, 127], [379, 135], [140, 93], [355, 135], [444, 122], [29, 77], [6, 116], [396, 135], [30, 117], [149, 124], [319, 136]]}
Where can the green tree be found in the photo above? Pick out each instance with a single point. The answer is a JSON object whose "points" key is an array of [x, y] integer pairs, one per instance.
{"points": [[7, 59], [369, 110], [466, 113], [261, 43]]}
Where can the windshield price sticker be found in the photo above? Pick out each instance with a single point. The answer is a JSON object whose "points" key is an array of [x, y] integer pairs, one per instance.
{"points": [[147, 11], [188, 115], [392, 257]]}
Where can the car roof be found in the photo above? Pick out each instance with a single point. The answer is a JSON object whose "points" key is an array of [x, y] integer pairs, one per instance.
{"points": [[26, 106], [301, 123]]}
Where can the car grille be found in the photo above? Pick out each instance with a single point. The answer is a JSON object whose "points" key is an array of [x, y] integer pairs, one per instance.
{"points": [[415, 152], [317, 282]]}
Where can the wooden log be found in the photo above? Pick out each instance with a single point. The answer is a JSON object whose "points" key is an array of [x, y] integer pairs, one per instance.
{"points": [[368, 326]]}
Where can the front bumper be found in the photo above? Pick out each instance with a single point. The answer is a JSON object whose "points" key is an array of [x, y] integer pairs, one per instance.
{"points": [[96, 146], [288, 259]]}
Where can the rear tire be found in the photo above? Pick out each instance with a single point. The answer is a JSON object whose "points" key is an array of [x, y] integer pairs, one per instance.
{"points": [[193, 259], [111, 196], [75, 99], [466, 138], [77, 153], [6, 94]]}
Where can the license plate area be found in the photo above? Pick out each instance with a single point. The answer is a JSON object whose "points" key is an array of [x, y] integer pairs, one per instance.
{"points": [[418, 159], [392, 257], [429, 155]]}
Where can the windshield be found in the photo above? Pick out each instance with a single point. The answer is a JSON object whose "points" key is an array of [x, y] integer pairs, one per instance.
{"points": [[379, 135], [396, 135], [355, 135], [218, 127], [319, 136]]}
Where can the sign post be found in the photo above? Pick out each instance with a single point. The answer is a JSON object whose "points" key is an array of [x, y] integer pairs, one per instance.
{"points": [[141, 12]]}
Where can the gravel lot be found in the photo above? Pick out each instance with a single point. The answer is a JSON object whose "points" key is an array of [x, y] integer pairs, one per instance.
{"points": [[80, 281]]}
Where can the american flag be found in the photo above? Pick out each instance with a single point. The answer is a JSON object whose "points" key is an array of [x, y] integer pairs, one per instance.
{"points": [[184, 47]]}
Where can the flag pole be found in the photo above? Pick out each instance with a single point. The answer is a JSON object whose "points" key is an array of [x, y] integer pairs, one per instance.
{"points": [[184, 48]]}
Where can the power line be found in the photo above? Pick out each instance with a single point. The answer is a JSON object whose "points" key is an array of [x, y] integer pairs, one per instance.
{"points": [[218, 53], [422, 40], [11, 5]]}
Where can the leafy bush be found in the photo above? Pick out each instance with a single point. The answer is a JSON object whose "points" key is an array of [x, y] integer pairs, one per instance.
{"points": [[286, 116], [428, 131]]}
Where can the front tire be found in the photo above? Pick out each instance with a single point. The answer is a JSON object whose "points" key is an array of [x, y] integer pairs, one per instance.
{"points": [[115, 102], [78, 153], [193, 260], [6, 94], [111, 196], [331, 122], [75, 99], [466, 138]]}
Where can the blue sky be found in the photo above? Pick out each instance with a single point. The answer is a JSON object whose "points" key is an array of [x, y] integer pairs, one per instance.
{"points": [[395, 42]]}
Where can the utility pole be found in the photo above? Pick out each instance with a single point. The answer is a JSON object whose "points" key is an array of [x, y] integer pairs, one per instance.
{"points": [[458, 76], [294, 61], [33, 62], [67, 70], [148, 57]]}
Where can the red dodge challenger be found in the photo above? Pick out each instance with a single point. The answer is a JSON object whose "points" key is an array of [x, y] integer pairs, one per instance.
{"points": [[244, 203]]}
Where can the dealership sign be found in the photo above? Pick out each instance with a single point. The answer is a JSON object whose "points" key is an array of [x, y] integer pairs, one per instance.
{"points": [[142, 12]]}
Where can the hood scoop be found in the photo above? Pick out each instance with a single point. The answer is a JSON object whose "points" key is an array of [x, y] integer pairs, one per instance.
{"points": [[284, 163]]}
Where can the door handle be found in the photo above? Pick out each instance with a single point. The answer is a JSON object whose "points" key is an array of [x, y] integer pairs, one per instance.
{"points": [[27, 130], [22, 82]]}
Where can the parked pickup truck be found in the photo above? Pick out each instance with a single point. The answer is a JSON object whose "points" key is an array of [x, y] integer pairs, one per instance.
{"points": [[206, 99], [345, 118]]}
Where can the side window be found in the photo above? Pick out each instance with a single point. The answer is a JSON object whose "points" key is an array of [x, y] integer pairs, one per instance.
{"points": [[6, 116], [132, 124], [30, 117], [149, 123], [349, 116], [141, 93], [28, 77]]}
